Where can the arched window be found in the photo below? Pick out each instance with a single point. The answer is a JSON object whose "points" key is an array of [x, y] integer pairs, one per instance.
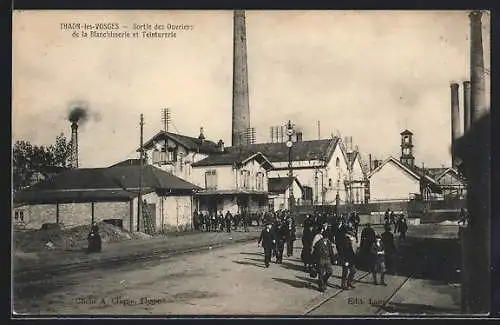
{"points": [[337, 162]]}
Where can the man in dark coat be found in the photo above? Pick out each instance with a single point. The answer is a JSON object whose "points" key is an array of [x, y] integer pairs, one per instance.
{"points": [[323, 257], [347, 257], [367, 237], [280, 238], [387, 217], [245, 219], [268, 242], [196, 220], [220, 221], [402, 228], [307, 237], [390, 249], [228, 219]]}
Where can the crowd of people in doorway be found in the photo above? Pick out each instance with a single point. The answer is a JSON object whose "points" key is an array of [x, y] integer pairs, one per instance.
{"points": [[331, 239], [219, 222]]}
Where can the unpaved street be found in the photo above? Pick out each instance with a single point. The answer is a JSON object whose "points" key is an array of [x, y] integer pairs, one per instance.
{"points": [[232, 280], [229, 280]]}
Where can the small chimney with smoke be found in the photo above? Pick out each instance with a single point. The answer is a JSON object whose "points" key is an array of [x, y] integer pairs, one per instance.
{"points": [[77, 115], [74, 145]]}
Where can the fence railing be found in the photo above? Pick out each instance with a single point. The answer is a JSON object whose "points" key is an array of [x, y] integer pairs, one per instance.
{"points": [[407, 206]]}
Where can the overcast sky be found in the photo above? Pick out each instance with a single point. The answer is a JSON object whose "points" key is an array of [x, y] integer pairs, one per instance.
{"points": [[366, 74]]}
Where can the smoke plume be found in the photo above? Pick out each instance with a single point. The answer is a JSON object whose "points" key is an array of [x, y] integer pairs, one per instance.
{"points": [[80, 113]]}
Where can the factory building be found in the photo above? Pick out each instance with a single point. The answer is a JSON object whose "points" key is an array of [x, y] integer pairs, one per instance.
{"points": [[81, 196]]}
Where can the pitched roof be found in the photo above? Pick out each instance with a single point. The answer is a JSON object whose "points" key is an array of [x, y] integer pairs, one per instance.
{"points": [[413, 171], [234, 158], [191, 143], [275, 152], [103, 183], [280, 184], [406, 132], [128, 162]]}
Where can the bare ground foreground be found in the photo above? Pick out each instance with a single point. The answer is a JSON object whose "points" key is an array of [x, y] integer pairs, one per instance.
{"points": [[232, 280]]}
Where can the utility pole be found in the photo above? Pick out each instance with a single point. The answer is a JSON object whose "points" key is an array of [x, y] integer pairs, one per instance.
{"points": [[141, 163]]}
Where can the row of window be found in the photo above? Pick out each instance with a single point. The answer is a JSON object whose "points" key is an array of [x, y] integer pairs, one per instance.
{"points": [[211, 180], [165, 156]]}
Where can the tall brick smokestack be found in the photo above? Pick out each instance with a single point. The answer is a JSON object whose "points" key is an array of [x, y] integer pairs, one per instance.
{"points": [[77, 115], [455, 121], [241, 106], [467, 116], [74, 145], [478, 92]]}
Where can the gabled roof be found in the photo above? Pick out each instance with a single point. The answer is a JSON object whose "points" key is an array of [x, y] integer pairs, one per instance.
{"points": [[129, 162], [275, 152], [450, 170], [191, 143], [236, 158], [103, 183], [281, 184], [413, 171], [406, 132]]}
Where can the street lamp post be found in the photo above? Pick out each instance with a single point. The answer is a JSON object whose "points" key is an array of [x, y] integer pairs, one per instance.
{"points": [[289, 144]]}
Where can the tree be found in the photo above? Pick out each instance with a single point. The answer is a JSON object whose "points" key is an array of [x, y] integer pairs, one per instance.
{"points": [[29, 159]]}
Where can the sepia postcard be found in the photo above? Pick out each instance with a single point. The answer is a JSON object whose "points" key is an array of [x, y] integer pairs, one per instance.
{"points": [[250, 163]]}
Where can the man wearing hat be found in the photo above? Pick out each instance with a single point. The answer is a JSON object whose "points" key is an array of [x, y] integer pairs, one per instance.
{"points": [[347, 256], [323, 257], [290, 235], [307, 238], [378, 252], [268, 241], [280, 238]]}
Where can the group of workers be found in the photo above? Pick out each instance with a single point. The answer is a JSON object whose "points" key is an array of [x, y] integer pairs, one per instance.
{"points": [[220, 222], [331, 239]]}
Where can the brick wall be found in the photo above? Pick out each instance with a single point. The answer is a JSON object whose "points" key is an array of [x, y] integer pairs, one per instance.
{"points": [[72, 214], [112, 210], [35, 215]]}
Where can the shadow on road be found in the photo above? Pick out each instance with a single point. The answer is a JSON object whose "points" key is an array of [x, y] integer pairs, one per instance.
{"points": [[249, 263], [417, 309], [255, 254], [292, 266], [296, 284], [313, 282]]}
